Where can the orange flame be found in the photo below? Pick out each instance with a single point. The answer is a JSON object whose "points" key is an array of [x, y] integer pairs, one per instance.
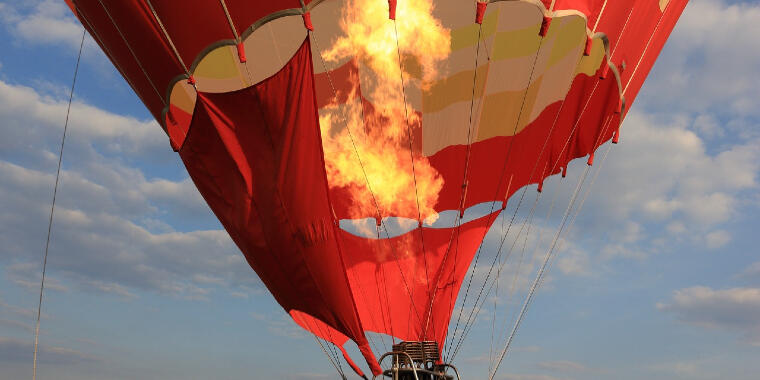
{"points": [[380, 132]]}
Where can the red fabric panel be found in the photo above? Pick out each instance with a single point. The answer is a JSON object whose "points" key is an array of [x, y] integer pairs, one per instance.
{"points": [[635, 37], [585, 120], [660, 36], [575, 133], [245, 12], [614, 19], [320, 329], [193, 25], [255, 156], [395, 282], [145, 40]]}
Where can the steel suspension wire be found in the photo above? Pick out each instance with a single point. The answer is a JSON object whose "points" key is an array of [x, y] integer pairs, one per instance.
{"points": [[498, 185], [567, 141], [366, 178], [551, 130], [563, 148], [535, 250], [585, 195], [458, 221], [476, 310], [335, 363], [470, 126], [478, 306], [52, 205], [539, 274], [414, 172], [510, 293]]}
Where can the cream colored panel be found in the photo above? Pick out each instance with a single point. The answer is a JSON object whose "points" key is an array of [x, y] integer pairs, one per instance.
{"points": [[267, 50], [556, 82], [515, 59], [219, 69], [272, 45]]}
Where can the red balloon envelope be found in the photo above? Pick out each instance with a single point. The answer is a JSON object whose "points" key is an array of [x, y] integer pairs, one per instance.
{"points": [[297, 121]]}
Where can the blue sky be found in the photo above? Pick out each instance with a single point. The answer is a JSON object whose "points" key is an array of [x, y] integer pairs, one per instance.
{"points": [[659, 276]]}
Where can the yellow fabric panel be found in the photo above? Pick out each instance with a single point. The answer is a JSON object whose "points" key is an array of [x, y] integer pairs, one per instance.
{"points": [[456, 88], [500, 112], [516, 43], [468, 35], [556, 81], [220, 63], [568, 33], [591, 63]]}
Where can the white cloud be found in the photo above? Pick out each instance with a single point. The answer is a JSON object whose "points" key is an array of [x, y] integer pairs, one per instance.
{"points": [[280, 324], [308, 375], [689, 369], [29, 116], [15, 317], [689, 157], [661, 174], [15, 350], [710, 62], [665, 169], [751, 272], [112, 230], [735, 309], [45, 22], [564, 366], [574, 262], [527, 376], [717, 239]]}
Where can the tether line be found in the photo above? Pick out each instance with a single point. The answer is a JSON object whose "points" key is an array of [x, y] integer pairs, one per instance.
{"points": [[52, 206]]}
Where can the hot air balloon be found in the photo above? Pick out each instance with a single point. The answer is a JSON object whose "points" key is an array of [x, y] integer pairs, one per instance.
{"points": [[329, 136]]}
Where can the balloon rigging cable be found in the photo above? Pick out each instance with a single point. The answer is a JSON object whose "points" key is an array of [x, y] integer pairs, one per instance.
{"points": [[52, 206], [414, 177], [501, 177], [366, 179]]}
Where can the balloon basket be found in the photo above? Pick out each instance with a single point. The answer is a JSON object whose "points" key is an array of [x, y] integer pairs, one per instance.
{"points": [[417, 361]]}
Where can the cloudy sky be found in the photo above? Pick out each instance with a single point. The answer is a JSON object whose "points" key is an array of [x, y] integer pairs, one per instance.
{"points": [[658, 277]]}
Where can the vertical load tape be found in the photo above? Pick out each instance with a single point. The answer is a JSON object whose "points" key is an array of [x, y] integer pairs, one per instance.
{"points": [[506, 194], [545, 26], [241, 52], [480, 11], [392, 9], [307, 21], [605, 71], [589, 45], [464, 196]]}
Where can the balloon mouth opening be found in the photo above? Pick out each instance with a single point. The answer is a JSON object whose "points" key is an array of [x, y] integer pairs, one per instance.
{"points": [[393, 226]]}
